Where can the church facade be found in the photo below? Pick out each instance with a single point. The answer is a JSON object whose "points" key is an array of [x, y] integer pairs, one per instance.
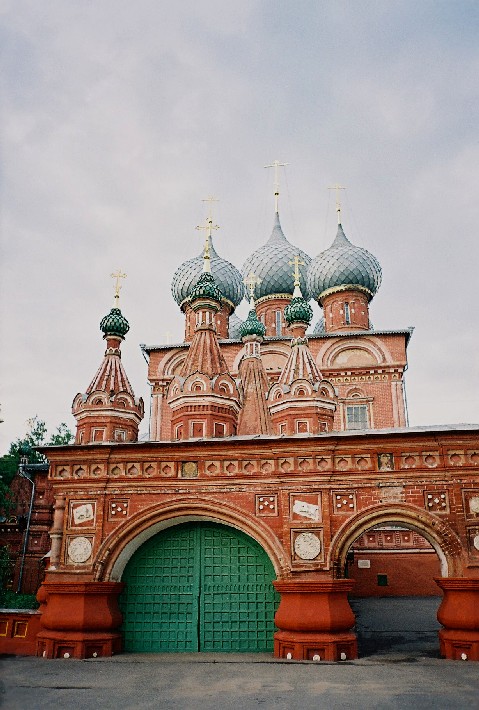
{"points": [[271, 453]]}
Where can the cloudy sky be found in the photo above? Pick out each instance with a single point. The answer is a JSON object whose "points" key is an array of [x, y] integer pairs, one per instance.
{"points": [[119, 117]]}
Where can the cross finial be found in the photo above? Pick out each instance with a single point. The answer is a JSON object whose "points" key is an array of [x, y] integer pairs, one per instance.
{"points": [[276, 164], [209, 226], [118, 285], [337, 187], [297, 274], [251, 281]]}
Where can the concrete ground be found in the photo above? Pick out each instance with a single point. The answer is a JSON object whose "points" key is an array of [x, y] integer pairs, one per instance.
{"points": [[399, 669]]}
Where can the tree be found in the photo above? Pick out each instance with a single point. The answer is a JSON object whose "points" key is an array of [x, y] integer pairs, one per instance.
{"points": [[25, 448]]}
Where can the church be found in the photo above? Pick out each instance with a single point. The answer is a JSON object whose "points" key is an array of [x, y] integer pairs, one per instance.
{"points": [[276, 446]]}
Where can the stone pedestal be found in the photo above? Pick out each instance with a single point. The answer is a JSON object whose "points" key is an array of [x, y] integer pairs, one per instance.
{"points": [[315, 620], [79, 619], [459, 615]]}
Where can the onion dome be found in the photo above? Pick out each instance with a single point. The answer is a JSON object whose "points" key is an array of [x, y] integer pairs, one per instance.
{"points": [[206, 288], [114, 323], [343, 267], [252, 326], [234, 327], [227, 277], [271, 264], [298, 311], [319, 328]]}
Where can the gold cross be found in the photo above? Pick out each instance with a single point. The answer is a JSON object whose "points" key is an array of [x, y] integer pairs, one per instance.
{"points": [[276, 164], [296, 273], [208, 228], [251, 281], [117, 276], [337, 187]]}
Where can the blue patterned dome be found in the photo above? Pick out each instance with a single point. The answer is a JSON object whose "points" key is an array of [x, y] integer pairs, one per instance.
{"points": [[343, 266], [227, 277], [271, 264], [319, 328], [234, 327]]}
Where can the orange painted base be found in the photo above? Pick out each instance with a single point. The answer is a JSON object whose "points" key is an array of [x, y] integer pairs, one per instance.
{"points": [[298, 646], [18, 631], [459, 645], [64, 644]]}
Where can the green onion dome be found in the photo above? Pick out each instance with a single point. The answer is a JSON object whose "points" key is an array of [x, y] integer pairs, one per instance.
{"points": [[298, 311], [252, 326], [271, 264], [343, 267], [206, 288], [227, 276], [115, 323]]}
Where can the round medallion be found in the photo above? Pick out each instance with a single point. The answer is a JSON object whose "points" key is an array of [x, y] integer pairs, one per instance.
{"points": [[307, 546], [79, 549], [475, 542]]}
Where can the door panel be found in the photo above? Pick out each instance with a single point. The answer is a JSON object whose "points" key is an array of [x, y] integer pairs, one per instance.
{"points": [[199, 587]]}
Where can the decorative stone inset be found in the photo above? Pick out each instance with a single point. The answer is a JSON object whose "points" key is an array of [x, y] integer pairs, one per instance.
{"points": [[82, 514], [79, 549], [391, 494], [189, 469], [385, 462], [456, 458], [62, 472], [286, 465], [167, 469], [436, 501], [150, 470], [471, 504], [212, 468], [79, 472], [473, 542], [306, 545], [305, 506], [409, 460], [267, 505], [344, 502], [431, 459], [267, 466], [473, 457], [323, 463], [343, 463], [118, 509], [230, 467]]}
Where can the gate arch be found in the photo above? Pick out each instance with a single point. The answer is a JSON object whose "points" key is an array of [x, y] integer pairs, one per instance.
{"points": [[443, 539], [117, 548]]}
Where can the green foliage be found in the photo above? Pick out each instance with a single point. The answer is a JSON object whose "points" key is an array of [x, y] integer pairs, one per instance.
{"points": [[12, 600], [25, 448]]}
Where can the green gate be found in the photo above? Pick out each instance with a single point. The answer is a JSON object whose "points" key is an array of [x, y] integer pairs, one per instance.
{"points": [[199, 587]]}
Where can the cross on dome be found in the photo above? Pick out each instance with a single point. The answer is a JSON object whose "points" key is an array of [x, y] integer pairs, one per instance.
{"points": [[208, 227], [276, 164], [251, 281], [337, 187], [118, 275]]}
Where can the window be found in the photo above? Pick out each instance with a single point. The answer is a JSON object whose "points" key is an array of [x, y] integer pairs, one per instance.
{"points": [[98, 434], [219, 429], [382, 580], [178, 431], [197, 429], [302, 427], [277, 316], [347, 314], [357, 416], [282, 428], [120, 435]]}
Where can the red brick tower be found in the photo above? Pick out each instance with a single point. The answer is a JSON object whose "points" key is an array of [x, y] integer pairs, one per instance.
{"points": [[109, 410], [254, 417], [204, 397], [301, 402]]}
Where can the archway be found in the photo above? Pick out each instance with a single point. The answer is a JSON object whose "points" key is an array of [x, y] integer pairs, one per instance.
{"points": [[395, 554], [198, 586]]}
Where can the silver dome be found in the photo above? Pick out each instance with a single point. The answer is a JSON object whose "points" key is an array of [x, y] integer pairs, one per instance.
{"points": [[234, 327], [227, 278], [271, 264], [343, 264]]}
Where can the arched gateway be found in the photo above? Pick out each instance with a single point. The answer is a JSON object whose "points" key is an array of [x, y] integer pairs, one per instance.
{"points": [[198, 586]]}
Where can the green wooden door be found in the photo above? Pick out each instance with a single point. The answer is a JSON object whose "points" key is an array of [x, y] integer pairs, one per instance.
{"points": [[199, 587]]}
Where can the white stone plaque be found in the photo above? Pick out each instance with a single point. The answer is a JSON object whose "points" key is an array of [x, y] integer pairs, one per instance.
{"points": [[79, 549], [474, 504], [307, 546], [475, 542], [83, 513], [306, 510]]}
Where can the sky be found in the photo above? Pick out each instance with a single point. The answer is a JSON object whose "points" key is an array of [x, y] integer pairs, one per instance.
{"points": [[118, 118]]}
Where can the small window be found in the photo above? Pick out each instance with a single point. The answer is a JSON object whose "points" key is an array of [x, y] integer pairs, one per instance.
{"points": [[282, 428], [347, 314], [302, 427], [197, 429], [382, 580], [179, 432], [219, 429], [278, 322], [120, 435], [98, 435], [357, 416]]}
